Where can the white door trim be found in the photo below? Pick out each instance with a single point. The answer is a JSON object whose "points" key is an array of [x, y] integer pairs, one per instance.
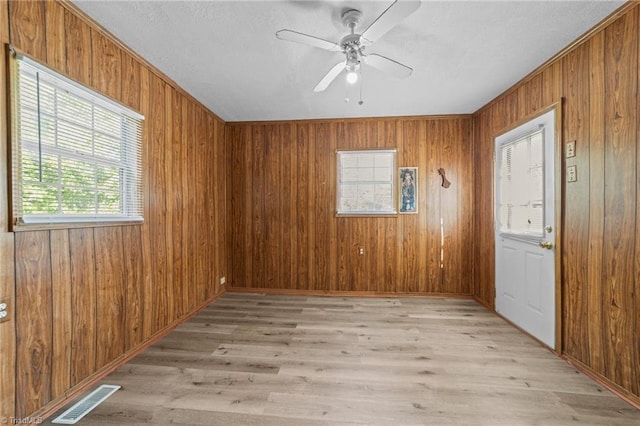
{"points": [[558, 172]]}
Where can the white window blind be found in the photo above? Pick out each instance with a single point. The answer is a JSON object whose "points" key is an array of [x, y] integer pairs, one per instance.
{"points": [[521, 187], [76, 155], [365, 182]]}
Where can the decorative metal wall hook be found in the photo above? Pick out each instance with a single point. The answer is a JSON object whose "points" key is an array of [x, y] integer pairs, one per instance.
{"points": [[445, 181]]}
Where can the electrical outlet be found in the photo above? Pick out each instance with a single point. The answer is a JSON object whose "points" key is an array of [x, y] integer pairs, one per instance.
{"points": [[361, 251], [572, 174], [571, 149], [4, 310], [223, 280]]}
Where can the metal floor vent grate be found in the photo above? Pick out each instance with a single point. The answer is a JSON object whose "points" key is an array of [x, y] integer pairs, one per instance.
{"points": [[85, 405]]}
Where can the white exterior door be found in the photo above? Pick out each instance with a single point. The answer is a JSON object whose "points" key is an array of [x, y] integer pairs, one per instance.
{"points": [[525, 227]]}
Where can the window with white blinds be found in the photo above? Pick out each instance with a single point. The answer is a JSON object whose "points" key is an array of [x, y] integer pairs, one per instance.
{"points": [[365, 182], [521, 186], [76, 155]]}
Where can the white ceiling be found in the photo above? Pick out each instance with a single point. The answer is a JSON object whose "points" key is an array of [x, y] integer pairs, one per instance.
{"points": [[225, 53]]}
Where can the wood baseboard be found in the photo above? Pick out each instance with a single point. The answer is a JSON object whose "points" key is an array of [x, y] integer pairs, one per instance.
{"points": [[483, 303], [296, 292], [631, 399], [56, 404]]}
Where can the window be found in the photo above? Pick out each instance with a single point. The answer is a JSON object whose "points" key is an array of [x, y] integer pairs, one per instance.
{"points": [[76, 155], [521, 185], [365, 182]]}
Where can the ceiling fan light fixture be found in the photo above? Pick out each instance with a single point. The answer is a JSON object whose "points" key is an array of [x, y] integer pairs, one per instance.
{"points": [[352, 68], [352, 77]]}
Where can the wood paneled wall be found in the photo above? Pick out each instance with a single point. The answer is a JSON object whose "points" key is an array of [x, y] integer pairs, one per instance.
{"points": [[284, 231], [84, 298], [598, 83], [7, 277]]}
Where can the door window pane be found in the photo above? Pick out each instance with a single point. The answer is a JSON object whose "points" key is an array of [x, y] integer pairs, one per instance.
{"points": [[521, 186]]}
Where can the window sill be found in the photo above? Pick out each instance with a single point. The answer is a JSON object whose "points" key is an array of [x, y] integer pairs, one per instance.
{"points": [[338, 215], [24, 227]]}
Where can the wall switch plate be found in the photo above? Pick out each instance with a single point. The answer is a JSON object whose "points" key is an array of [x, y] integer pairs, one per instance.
{"points": [[4, 310], [223, 280], [572, 174], [570, 149]]}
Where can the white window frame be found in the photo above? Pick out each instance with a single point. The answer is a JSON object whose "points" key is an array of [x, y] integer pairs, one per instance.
{"points": [[126, 164], [357, 177], [504, 143]]}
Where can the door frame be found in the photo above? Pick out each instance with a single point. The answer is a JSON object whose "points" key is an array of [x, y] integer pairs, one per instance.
{"points": [[559, 187]]}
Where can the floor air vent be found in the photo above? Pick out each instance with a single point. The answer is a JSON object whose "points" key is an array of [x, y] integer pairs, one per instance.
{"points": [[85, 405]]}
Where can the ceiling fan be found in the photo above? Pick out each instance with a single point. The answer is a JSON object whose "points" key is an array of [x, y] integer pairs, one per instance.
{"points": [[354, 44]]}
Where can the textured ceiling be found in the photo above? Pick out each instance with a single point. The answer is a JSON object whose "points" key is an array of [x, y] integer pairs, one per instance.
{"points": [[226, 55]]}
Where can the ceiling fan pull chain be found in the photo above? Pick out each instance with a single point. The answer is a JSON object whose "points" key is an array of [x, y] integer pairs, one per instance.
{"points": [[360, 102]]}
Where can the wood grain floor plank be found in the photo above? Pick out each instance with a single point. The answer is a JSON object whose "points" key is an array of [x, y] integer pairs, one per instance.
{"points": [[251, 359]]}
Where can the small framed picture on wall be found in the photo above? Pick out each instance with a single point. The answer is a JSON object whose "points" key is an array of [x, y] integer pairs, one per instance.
{"points": [[408, 190]]}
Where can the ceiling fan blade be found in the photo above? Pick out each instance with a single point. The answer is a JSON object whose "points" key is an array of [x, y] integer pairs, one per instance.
{"points": [[310, 40], [387, 65], [389, 19], [330, 76]]}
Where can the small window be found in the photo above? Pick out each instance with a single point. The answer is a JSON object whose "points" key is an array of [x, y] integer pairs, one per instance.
{"points": [[521, 185], [365, 182], [76, 155]]}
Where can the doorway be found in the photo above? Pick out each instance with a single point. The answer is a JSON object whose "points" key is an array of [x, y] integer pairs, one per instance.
{"points": [[525, 226]]}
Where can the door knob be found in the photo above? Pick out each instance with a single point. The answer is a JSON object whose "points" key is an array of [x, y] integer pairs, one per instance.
{"points": [[546, 244]]}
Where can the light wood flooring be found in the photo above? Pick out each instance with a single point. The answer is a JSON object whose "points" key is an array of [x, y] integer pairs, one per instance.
{"points": [[250, 359]]}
